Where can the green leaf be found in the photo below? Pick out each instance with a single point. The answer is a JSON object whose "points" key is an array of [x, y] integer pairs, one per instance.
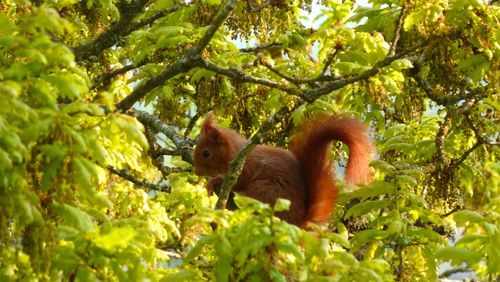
{"points": [[83, 175], [493, 253], [6, 26], [366, 207], [222, 269], [471, 240], [474, 65], [180, 276], [55, 154], [196, 250], [173, 41], [351, 68], [339, 239], [290, 247], [282, 205], [226, 87], [467, 216], [406, 180], [66, 259], [74, 217], [366, 236], [117, 238], [459, 255], [5, 161], [425, 236], [373, 189], [86, 274], [164, 4], [68, 85], [401, 64]]}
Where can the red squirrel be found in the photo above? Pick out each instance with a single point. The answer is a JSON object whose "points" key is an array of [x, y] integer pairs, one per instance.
{"points": [[304, 175]]}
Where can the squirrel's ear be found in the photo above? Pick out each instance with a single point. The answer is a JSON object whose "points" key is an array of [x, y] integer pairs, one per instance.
{"points": [[208, 122], [214, 135], [210, 130]]}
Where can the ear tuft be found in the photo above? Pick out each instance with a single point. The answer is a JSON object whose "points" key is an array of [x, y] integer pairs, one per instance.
{"points": [[211, 130], [208, 122]]}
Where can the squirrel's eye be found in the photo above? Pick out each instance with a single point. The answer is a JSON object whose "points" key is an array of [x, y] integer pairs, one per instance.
{"points": [[206, 153]]}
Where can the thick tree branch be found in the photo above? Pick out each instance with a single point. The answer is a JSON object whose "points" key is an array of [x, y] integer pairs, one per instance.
{"points": [[182, 65], [183, 145], [128, 12], [123, 173], [226, 8], [190, 59], [125, 26]]}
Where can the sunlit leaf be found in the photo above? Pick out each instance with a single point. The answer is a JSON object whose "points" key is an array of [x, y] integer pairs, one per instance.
{"points": [[74, 217]]}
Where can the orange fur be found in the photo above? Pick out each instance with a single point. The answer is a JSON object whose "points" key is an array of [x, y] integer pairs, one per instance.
{"points": [[303, 175]]}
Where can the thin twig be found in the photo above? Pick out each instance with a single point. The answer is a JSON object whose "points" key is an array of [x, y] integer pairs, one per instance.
{"points": [[452, 271], [239, 75], [399, 251], [397, 31], [440, 138], [155, 17], [329, 59], [259, 48], [104, 79], [191, 124]]}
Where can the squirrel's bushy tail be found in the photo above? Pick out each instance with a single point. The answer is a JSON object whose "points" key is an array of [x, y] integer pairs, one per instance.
{"points": [[311, 150]]}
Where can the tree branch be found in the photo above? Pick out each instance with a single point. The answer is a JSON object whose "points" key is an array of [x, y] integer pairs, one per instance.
{"points": [[123, 173], [191, 124], [153, 18], [440, 138], [183, 145], [443, 100], [312, 94], [190, 59], [226, 7], [282, 75], [452, 271], [128, 12], [259, 48], [480, 141], [104, 79], [239, 75], [397, 31], [331, 56]]}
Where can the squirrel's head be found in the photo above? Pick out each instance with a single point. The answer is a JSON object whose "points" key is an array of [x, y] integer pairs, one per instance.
{"points": [[213, 151]]}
